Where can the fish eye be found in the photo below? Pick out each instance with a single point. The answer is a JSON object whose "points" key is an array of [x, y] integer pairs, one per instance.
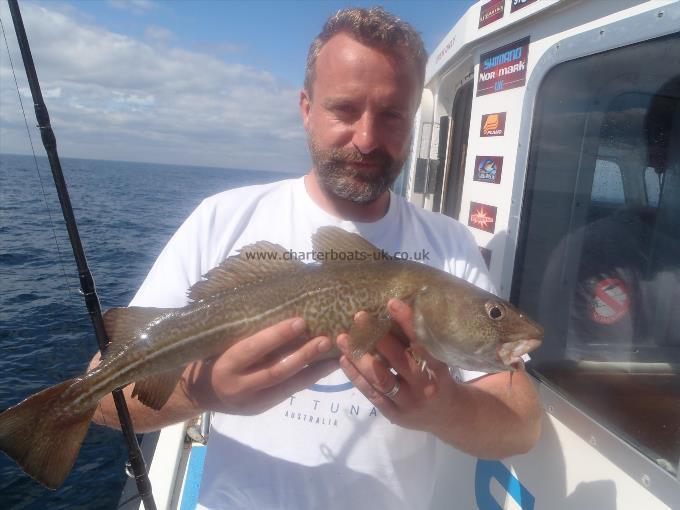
{"points": [[495, 311]]}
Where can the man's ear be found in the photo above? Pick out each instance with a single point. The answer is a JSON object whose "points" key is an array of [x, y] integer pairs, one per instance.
{"points": [[305, 106]]}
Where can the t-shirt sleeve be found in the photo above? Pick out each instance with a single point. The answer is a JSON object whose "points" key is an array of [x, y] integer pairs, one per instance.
{"points": [[176, 268]]}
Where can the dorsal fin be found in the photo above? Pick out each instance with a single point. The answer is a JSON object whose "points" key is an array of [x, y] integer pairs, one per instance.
{"points": [[329, 240], [123, 324], [253, 262]]}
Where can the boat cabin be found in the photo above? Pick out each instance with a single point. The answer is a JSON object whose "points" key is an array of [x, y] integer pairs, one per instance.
{"points": [[552, 129]]}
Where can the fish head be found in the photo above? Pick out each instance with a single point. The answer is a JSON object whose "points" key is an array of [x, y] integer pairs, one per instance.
{"points": [[467, 327]]}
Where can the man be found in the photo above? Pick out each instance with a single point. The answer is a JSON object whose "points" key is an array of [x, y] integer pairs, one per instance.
{"points": [[363, 436]]}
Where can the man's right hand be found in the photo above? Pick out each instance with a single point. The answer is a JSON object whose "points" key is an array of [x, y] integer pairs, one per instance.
{"points": [[247, 378]]}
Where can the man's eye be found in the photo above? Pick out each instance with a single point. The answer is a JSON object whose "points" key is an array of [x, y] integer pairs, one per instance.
{"points": [[344, 112], [394, 115]]}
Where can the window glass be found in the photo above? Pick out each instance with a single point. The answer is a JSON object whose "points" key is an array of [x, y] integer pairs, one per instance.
{"points": [[399, 185], [607, 183], [598, 261], [460, 125], [653, 183]]}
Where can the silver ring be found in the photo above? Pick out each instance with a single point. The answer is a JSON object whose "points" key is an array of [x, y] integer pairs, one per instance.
{"points": [[393, 392]]}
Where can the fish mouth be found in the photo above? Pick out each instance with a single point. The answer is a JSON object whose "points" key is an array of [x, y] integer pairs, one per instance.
{"points": [[512, 352]]}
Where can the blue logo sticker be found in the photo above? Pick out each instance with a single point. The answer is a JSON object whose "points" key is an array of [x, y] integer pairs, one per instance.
{"points": [[488, 469]]}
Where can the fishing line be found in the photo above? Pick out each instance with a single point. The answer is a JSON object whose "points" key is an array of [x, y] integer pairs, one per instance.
{"points": [[69, 287]]}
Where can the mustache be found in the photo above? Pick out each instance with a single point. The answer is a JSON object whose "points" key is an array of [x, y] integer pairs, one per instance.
{"points": [[345, 155]]}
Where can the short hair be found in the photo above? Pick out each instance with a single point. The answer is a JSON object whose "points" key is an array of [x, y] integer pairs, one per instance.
{"points": [[373, 27]]}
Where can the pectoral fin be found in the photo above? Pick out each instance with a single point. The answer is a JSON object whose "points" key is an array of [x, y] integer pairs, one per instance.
{"points": [[123, 325], [155, 391], [366, 331]]}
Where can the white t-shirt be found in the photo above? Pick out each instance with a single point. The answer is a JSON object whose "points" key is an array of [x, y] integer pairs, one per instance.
{"points": [[326, 446]]}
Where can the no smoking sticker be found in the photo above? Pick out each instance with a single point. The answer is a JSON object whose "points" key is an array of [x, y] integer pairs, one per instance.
{"points": [[611, 301]]}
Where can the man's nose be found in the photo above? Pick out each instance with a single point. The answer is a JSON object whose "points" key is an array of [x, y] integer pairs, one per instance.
{"points": [[365, 137]]}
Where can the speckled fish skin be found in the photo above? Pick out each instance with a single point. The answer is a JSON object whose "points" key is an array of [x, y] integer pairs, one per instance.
{"points": [[451, 317], [455, 322]]}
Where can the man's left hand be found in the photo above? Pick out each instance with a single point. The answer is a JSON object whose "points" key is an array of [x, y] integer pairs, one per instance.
{"points": [[420, 394], [492, 417]]}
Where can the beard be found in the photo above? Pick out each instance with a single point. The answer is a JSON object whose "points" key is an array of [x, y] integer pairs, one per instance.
{"points": [[341, 178]]}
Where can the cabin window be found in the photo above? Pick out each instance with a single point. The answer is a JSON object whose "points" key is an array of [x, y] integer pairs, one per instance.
{"points": [[422, 158], [598, 260], [435, 178], [452, 177], [399, 185]]}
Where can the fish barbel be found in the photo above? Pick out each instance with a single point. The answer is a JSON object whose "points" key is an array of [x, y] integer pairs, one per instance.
{"points": [[456, 322]]}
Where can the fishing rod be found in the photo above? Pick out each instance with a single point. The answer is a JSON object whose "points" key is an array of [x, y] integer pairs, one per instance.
{"points": [[86, 281]]}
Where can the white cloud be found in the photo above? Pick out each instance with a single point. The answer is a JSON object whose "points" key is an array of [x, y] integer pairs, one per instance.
{"points": [[159, 34], [137, 7], [111, 96], [46, 93]]}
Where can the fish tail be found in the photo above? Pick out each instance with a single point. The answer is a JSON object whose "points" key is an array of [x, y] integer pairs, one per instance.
{"points": [[42, 441]]}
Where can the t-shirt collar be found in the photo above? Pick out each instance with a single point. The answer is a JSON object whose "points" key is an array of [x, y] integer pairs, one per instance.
{"points": [[368, 229]]}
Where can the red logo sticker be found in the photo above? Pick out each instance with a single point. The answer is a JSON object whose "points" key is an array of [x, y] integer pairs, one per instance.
{"points": [[493, 124], [490, 12], [483, 217], [611, 301], [503, 68]]}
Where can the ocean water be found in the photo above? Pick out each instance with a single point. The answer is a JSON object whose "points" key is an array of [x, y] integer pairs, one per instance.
{"points": [[126, 212]]}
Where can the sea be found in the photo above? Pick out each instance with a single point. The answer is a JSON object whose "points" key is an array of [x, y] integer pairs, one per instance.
{"points": [[126, 213]]}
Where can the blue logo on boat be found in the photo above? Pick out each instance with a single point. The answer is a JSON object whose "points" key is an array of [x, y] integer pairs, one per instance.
{"points": [[488, 470], [487, 171]]}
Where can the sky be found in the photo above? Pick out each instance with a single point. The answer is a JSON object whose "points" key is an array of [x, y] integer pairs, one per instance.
{"points": [[206, 83]]}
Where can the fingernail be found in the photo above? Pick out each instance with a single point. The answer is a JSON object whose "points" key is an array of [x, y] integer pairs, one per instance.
{"points": [[324, 344], [342, 342], [395, 305], [299, 326]]}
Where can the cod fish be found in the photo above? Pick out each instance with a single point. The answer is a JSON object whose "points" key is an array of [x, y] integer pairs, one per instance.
{"points": [[455, 322]]}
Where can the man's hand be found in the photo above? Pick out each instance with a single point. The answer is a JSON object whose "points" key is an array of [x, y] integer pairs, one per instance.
{"points": [[253, 375], [492, 417], [421, 395]]}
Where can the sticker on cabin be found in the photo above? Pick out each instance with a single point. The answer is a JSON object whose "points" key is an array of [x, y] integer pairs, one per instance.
{"points": [[611, 301], [493, 124], [488, 169], [504, 68], [486, 255], [516, 5], [490, 12], [483, 217]]}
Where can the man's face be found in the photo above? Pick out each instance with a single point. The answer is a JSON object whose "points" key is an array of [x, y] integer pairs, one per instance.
{"points": [[358, 118]]}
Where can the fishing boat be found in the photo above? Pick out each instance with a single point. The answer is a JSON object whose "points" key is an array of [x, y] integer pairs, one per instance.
{"points": [[546, 127]]}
